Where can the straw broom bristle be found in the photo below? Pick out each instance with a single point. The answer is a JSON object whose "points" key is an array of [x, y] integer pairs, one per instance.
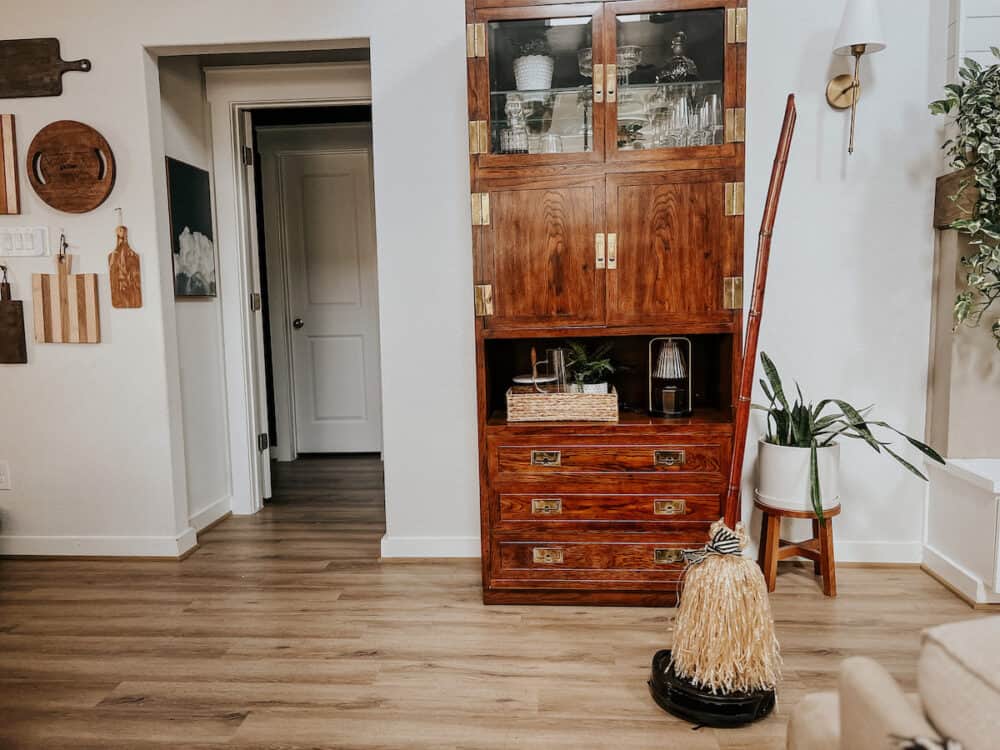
{"points": [[724, 632]]}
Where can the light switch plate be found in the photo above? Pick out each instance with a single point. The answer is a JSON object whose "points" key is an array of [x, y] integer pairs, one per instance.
{"points": [[5, 483], [24, 242]]}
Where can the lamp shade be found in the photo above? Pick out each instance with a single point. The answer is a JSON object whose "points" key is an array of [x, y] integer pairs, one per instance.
{"points": [[861, 25]]}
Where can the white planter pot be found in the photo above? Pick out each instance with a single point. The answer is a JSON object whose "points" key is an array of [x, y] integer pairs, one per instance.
{"points": [[533, 72], [595, 388], [783, 476]]}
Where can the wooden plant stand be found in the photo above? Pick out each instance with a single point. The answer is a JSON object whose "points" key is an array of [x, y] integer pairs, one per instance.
{"points": [[819, 549]]}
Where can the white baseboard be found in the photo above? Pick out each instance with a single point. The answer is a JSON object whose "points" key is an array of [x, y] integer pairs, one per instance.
{"points": [[966, 584], [100, 546], [211, 513], [429, 546]]}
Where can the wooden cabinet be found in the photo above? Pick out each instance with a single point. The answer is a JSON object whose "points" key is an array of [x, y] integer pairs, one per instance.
{"points": [[606, 149]]}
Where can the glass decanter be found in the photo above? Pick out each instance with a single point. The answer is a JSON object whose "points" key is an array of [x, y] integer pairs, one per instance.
{"points": [[680, 67]]}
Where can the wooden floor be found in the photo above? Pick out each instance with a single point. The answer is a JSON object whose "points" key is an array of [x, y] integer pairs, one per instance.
{"points": [[284, 631]]}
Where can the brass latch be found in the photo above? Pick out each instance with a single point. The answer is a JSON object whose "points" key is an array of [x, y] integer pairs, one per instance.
{"points": [[475, 40], [732, 293], [598, 78], [668, 556], [483, 294], [669, 458], [669, 507], [599, 261], [479, 139], [736, 26], [611, 82], [480, 209], [612, 251], [735, 198], [547, 556], [546, 506], [736, 125], [546, 458]]}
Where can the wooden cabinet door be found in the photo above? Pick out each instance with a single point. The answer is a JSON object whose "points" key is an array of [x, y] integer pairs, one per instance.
{"points": [[675, 245], [540, 255]]}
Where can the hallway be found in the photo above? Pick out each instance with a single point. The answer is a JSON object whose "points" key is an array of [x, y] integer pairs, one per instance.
{"points": [[284, 631]]}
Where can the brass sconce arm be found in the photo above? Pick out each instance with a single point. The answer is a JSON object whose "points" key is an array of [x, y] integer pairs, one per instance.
{"points": [[844, 90]]}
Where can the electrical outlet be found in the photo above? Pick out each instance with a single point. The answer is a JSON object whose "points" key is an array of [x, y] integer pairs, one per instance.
{"points": [[5, 483]]}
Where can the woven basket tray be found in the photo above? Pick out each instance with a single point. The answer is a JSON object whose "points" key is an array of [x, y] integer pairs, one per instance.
{"points": [[525, 404]]}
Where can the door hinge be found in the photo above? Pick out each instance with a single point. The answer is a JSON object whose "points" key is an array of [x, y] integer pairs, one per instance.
{"points": [[735, 198], [600, 260], [478, 137], [732, 293], [736, 125], [736, 26], [248, 156], [254, 301], [480, 209], [263, 442], [483, 299], [612, 251], [475, 40]]}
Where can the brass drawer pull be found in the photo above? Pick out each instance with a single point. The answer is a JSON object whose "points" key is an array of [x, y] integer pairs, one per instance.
{"points": [[669, 458], [546, 506], [547, 556], [668, 556], [669, 507], [546, 458]]}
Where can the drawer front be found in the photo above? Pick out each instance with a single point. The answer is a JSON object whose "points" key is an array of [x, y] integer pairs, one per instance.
{"points": [[554, 561], [702, 459], [559, 508]]}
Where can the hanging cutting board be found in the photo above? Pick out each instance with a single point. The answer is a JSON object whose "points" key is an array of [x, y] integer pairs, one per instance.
{"points": [[71, 166], [126, 280], [66, 308], [33, 67], [13, 347]]}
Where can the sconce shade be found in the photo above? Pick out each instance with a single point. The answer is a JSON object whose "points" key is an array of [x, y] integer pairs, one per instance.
{"points": [[861, 25]]}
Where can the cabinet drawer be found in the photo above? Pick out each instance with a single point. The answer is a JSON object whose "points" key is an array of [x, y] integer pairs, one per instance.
{"points": [[554, 507], [703, 458], [555, 560]]}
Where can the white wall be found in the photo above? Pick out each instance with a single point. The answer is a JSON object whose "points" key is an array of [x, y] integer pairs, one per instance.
{"points": [[186, 136], [973, 27]]}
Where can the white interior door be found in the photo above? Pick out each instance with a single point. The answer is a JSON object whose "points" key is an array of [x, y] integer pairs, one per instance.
{"points": [[329, 232]]}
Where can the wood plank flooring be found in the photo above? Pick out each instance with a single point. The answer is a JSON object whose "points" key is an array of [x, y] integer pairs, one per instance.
{"points": [[283, 631]]}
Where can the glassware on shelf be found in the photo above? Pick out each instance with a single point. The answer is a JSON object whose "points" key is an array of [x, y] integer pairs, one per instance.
{"points": [[680, 67], [628, 58], [514, 138], [585, 62], [551, 143]]}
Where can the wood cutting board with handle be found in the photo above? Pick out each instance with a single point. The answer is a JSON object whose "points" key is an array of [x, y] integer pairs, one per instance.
{"points": [[66, 305], [34, 67], [126, 278]]}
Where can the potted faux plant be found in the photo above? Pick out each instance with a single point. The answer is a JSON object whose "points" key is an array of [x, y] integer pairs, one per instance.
{"points": [[590, 368], [533, 65], [976, 148], [799, 460]]}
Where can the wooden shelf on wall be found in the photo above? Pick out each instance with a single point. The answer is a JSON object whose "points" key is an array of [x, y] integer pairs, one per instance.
{"points": [[947, 210]]}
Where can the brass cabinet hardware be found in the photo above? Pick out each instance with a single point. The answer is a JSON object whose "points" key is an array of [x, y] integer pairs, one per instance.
{"points": [[736, 125], [612, 251], [669, 507], [598, 78], [480, 209], [478, 137], [483, 294], [599, 250], [475, 40], [546, 506], [611, 85], [735, 198], [546, 458], [669, 458], [671, 556], [732, 293], [736, 25], [547, 556]]}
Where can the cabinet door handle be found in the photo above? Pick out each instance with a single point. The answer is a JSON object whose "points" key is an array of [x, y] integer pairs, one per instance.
{"points": [[612, 82], [669, 507], [598, 78], [599, 250], [547, 556], [669, 458], [546, 458], [671, 556], [612, 251], [546, 506]]}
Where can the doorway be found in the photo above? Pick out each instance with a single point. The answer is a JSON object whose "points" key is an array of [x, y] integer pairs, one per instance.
{"points": [[319, 285]]}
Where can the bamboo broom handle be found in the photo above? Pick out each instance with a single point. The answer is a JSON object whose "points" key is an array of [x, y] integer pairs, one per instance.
{"points": [[756, 308]]}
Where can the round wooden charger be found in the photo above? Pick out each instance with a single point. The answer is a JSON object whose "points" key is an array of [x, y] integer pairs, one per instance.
{"points": [[71, 166]]}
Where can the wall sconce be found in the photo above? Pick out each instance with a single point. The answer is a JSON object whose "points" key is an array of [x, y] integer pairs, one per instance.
{"points": [[860, 34]]}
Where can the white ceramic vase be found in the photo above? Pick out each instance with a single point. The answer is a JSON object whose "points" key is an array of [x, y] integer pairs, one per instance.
{"points": [[783, 476], [595, 388], [533, 72]]}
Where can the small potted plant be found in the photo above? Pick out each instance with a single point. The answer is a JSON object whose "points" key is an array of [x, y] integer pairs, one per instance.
{"points": [[533, 65], [590, 368], [799, 461]]}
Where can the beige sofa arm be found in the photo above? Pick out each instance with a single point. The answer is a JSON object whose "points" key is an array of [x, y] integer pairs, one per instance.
{"points": [[873, 709]]}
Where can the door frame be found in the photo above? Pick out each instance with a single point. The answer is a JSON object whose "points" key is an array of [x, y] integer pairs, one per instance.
{"points": [[230, 91], [275, 142]]}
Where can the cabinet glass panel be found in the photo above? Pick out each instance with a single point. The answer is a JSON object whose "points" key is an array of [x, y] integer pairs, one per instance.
{"points": [[541, 90], [671, 69]]}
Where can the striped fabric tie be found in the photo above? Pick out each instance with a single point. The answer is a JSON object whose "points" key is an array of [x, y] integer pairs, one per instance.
{"points": [[724, 541]]}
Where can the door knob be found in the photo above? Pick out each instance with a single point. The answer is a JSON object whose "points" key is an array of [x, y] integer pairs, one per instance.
{"points": [[298, 323]]}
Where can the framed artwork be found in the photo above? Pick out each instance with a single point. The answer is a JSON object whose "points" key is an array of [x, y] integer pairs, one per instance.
{"points": [[191, 230]]}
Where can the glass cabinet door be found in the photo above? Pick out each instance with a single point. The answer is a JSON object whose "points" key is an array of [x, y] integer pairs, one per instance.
{"points": [[671, 69], [541, 87]]}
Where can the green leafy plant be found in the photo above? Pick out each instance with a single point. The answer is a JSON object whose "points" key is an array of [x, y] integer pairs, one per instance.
{"points": [[534, 46], [975, 104], [804, 425], [588, 365]]}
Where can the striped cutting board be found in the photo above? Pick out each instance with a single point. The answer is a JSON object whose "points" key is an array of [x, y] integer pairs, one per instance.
{"points": [[66, 309], [10, 196]]}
